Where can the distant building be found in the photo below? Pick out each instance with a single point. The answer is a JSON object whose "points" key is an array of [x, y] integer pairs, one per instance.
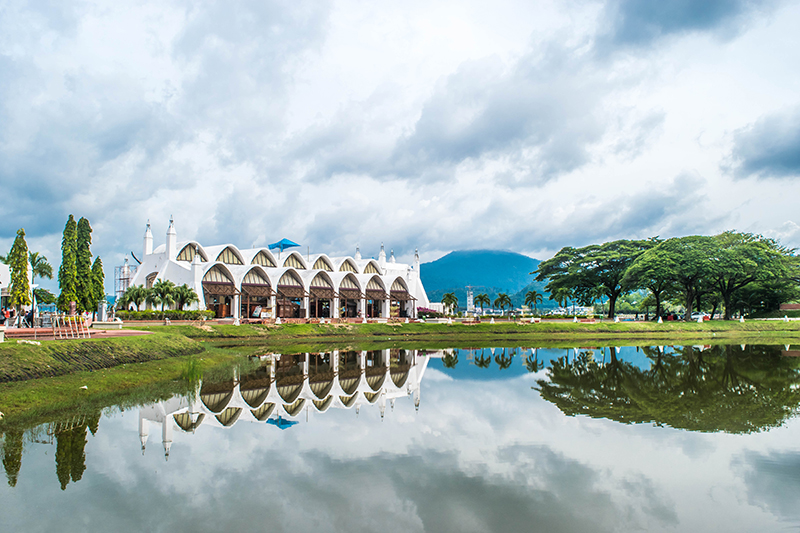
{"points": [[257, 282]]}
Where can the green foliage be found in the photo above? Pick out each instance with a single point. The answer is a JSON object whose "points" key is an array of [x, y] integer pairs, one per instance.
{"points": [[450, 301], [12, 456], [39, 266], [71, 455], [502, 301], [183, 296], [67, 273], [162, 293], [83, 267], [20, 290], [724, 388], [149, 314], [583, 270], [98, 282], [135, 295], [532, 298], [482, 300], [43, 296]]}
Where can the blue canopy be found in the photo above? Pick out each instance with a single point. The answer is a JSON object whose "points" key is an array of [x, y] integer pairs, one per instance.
{"points": [[281, 423], [283, 244]]}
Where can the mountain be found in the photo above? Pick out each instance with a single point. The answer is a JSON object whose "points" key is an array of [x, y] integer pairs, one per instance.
{"points": [[488, 271]]}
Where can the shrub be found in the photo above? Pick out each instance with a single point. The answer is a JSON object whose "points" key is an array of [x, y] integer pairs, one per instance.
{"points": [[172, 314]]}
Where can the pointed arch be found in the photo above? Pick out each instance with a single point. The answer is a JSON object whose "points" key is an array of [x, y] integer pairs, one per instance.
{"points": [[399, 290], [349, 288], [256, 283], [262, 413], [348, 265], [264, 258], [216, 396], [323, 263], [229, 416], [323, 405], [185, 421], [218, 280], [188, 252], [372, 268], [295, 260], [230, 256], [375, 289], [294, 408], [322, 286]]}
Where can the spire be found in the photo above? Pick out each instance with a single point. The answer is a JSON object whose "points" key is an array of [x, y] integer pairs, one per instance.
{"points": [[148, 240], [172, 241], [358, 254], [391, 258], [382, 256], [416, 260]]}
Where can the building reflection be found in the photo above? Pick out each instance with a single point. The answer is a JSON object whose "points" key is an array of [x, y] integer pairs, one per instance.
{"points": [[284, 387]]}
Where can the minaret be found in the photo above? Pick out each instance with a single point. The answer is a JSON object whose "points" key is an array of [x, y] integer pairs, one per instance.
{"points": [[391, 258], [382, 257], [166, 436], [197, 275], [144, 430], [172, 241], [357, 257], [148, 240], [416, 260]]}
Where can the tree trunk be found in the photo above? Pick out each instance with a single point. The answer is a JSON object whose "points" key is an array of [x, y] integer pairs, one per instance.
{"points": [[689, 300], [612, 304], [658, 304]]}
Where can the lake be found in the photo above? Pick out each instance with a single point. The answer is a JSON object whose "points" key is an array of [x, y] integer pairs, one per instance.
{"points": [[659, 438]]}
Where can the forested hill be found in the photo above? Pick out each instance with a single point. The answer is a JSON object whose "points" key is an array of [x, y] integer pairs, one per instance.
{"points": [[489, 271]]}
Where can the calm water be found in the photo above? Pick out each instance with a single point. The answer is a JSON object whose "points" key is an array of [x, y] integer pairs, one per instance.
{"points": [[507, 439]]}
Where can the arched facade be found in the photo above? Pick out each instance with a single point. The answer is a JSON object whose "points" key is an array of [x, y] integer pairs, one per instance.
{"points": [[258, 284]]}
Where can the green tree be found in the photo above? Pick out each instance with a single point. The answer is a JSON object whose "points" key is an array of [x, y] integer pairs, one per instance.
{"points": [[450, 301], [503, 359], [744, 258], [450, 359], [532, 298], [163, 292], [83, 266], [98, 283], [135, 294], [39, 267], [483, 300], [184, 295], [43, 296], [483, 361], [562, 296], [67, 274], [12, 455], [502, 301], [19, 289], [582, 270]]}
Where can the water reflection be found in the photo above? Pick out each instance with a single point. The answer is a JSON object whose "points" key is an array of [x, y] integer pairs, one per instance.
{"points": [[284, 386], [486, 453]]}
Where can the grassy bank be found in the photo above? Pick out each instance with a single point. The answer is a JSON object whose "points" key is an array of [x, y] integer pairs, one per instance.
{"points": [[26, 404], [54, 358], [316, 333]]}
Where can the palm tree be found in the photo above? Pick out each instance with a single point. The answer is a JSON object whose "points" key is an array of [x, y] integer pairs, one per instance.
{"points": [[502, 301], [504, 361], [450, 360], [483, 300], [39, 267], [164, 290], [184, 295], [483, 362], [136, 295], [450, 301], [532, 363], [533, 297], [562, 296]]}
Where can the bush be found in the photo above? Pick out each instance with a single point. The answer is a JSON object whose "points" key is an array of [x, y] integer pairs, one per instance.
{"points": [[172, 314], [423, 312]]}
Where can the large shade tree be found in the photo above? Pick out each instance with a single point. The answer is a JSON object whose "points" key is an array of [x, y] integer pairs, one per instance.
{"points": [[583, 270]]}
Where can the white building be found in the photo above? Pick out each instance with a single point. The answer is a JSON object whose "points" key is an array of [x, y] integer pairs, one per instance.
{"points": [[258, 282]]}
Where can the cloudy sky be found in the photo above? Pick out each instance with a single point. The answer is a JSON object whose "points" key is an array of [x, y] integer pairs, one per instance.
{"points": [[514, 125]]}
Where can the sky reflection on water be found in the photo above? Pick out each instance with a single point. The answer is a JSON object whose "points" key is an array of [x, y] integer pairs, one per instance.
{"points": [[485, 452]]}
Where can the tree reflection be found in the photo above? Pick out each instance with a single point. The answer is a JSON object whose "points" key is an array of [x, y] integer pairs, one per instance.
{"points": [[12, 456], [723, 388]]}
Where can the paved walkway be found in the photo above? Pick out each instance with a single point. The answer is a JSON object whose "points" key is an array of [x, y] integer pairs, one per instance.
{"points": [[46, 334]]}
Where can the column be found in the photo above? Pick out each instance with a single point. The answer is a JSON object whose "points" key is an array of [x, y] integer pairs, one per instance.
{"points": [[274, 303], [363, 304], [387, 308], [335, 310], [237, 306], [306, 302]]}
